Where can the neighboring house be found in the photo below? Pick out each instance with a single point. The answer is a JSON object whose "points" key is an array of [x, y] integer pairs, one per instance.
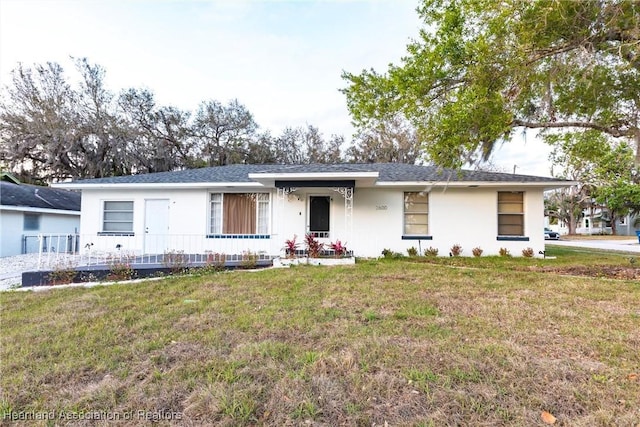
{"points": [[29, 210], [628, 225], [236, 208], [596, 222]]}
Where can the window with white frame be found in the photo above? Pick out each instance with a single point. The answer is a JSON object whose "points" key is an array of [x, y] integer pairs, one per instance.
{"points": [[239, 213], [511, 213], [416, 214], [117, 216]]}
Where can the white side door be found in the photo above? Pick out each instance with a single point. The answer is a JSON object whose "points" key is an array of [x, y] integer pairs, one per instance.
{"points": [[156, 225]]}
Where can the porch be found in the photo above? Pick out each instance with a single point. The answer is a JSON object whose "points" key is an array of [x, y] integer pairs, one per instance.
{"points": [[57, 251]]}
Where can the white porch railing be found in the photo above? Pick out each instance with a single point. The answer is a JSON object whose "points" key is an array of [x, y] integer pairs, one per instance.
{"points": [[74, 250]]}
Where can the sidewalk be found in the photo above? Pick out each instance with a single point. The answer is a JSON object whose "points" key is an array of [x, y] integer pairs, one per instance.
{"points": [[630, 245]]}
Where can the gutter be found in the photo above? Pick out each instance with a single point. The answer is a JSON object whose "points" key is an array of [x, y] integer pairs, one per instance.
{"points": [[156, 186], [39, 210]]}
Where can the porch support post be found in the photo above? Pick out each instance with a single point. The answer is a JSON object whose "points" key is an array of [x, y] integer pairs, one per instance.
{"points": [[280, 196], [347, 193], [283, 193]]}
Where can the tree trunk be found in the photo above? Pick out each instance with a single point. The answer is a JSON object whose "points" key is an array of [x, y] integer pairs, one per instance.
{"points": [[637, 138], [572, 223], [613, 224]]}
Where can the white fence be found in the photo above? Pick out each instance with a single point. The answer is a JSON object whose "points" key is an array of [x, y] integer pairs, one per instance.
{"points": [[73, 250]]}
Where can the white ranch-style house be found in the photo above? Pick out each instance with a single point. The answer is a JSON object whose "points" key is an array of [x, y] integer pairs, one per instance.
{"points": [[369, 207]]}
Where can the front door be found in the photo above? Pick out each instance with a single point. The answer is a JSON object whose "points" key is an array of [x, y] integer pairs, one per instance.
{"points": [[319, 214], [156, 225]]}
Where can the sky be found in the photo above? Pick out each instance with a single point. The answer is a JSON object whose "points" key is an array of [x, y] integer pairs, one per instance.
{"points": [[281, 59]]}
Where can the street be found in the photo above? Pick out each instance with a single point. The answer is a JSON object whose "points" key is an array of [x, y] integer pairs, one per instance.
{"points": [[630, 245]]}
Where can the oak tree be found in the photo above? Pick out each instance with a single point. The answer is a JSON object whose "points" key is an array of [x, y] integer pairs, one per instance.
{"points": [[482, 68]]}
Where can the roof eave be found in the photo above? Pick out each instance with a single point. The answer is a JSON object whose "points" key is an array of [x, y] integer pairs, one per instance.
{"points": [[39, 210], [268, 179], [312, 175], [153, 186], [547, 185]]}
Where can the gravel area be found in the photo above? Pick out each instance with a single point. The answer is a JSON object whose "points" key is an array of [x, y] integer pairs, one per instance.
{"points": [[11, 269]]}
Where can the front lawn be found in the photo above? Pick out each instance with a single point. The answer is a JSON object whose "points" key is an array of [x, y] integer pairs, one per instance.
{"points": [[406, 342]]}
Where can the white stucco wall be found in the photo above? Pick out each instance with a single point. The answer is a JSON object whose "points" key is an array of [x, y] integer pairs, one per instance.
{"points": [[10, 232], [465, 216], [12, 229], [188, 222], [187, 209], [456, 216]]}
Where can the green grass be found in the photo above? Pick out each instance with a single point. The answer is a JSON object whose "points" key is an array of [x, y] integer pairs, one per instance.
{"points": [[459, 341]]}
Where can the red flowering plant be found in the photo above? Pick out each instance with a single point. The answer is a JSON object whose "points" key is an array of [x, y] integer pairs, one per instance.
{"points": [[313, 245], [339, 248], [290, 246]]}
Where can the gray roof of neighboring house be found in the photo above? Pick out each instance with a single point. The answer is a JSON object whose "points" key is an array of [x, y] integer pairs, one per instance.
{"points": [[388, 172], [35, 196]]}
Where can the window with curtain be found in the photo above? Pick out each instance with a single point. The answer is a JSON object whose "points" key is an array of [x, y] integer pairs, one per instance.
{"points": [[117, 217], [239, 213], [416, 214], [510, 213]]}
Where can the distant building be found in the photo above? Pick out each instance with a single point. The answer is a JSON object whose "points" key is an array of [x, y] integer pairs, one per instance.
{"points": [[597, 222], [28, 210]]}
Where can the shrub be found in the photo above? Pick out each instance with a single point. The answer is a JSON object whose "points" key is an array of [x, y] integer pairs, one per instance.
{"points": [[120, 269], [504, 252], [62, 275], [215, 262], [249, 259], [527, 252], [290, 246], [175, 261], [431, 251], [313, 245], [412, 251], [477, 251], [339, 248], [388, 253], [455, 250]]}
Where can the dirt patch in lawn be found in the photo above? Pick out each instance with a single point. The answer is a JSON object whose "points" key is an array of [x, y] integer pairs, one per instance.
{"points": [[600, 271]]}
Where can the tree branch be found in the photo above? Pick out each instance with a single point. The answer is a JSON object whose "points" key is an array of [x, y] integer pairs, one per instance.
{"points": [[615, 132], [553, 51]]}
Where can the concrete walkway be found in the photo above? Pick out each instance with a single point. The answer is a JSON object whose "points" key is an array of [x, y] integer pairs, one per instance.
{"points": [[630, 245]]}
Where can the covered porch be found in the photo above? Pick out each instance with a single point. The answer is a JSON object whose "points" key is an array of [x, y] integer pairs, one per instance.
{"points": [[317, 204]]}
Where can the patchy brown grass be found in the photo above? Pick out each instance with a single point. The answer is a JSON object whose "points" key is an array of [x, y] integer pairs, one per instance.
{"points": [[397, 342]]}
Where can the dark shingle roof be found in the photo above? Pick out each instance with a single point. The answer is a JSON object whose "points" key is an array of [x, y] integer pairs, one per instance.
{"points": [[34, 196], [389, 172]]}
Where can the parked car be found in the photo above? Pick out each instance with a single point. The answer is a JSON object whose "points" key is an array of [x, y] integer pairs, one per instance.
{"points": [[550, 234]]}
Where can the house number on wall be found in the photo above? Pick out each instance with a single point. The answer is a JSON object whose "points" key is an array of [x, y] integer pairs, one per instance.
{"points": [[381, 207]]}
